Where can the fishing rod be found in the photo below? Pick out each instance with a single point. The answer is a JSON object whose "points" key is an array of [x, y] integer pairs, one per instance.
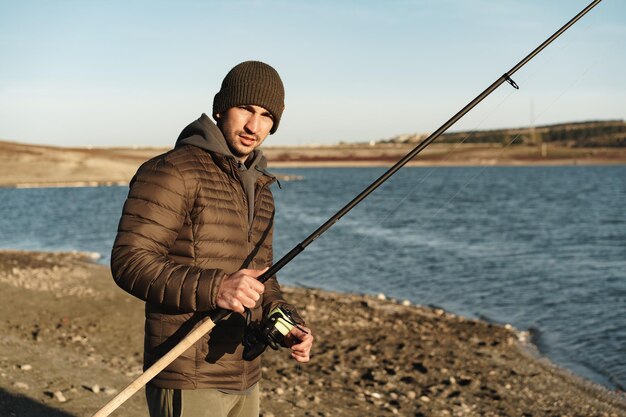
{"points": [[209, 322], [420, 147]]}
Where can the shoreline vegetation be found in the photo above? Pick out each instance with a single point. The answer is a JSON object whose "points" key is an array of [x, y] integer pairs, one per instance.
{"points": [[77, 341], [585, 143]]}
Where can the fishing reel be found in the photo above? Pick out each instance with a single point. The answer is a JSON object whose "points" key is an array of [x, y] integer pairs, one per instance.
{"points": [[270, 332]]}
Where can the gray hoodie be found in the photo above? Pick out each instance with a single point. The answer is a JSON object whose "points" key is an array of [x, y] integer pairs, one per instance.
{"points": [[204, 134]]}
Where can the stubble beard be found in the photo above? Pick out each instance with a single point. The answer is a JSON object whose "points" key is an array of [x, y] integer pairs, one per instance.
{"points": [[238, 149]]}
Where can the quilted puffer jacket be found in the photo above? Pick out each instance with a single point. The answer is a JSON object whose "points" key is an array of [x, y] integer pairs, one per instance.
{"points": [[192, 216]]}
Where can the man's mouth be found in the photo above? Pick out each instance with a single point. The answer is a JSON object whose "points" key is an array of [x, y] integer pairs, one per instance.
{"points": [[247, 140]]}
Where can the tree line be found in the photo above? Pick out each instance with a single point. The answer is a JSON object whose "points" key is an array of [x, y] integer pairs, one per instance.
{"points": [[611, 133]]}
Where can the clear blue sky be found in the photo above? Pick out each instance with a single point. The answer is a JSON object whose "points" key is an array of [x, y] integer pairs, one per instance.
{"points": [[109, 73]]}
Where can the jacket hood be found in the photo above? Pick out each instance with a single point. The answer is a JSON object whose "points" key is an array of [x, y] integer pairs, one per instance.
{"points": [[205, 134]]}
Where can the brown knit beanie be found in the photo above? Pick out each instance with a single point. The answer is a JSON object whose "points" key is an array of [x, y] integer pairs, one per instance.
{"points": [[252, 82]]}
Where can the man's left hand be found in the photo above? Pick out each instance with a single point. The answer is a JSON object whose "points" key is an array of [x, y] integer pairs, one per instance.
{"points": [[300, 343]]}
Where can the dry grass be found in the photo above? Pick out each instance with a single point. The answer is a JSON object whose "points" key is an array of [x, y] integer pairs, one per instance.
{"points": [[23, 165]]}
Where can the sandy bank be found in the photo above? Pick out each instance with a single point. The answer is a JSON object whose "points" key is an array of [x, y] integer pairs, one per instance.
{"points": [[27, 166], [72, 339]]}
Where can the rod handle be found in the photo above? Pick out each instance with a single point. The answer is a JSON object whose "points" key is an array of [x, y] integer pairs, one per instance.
{"points": [[203, 328]]}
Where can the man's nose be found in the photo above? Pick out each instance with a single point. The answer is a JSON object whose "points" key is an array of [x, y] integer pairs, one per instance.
{"points": [[253, 123]]}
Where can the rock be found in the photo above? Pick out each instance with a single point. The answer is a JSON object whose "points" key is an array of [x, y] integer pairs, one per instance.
{"points": [[376, 395], [26, 367], [408, 379], [21, 385], [58, 395], [464, 381], [419, 367], [381, 296], [523, 337], [406, 303], [430, 366], [93, 388]]}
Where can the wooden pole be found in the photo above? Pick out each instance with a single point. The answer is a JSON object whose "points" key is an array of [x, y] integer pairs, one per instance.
{"points": [[207, 325], [193, 336]]}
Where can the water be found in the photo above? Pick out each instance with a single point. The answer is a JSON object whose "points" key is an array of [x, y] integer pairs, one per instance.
{"points": [[542, 248]]}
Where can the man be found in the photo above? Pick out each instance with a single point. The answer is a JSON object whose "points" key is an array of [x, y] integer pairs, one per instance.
{"points": [[195, 233]]}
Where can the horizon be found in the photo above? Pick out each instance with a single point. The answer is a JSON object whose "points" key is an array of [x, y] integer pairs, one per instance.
{"points": [[313, 145], [134, 74]]}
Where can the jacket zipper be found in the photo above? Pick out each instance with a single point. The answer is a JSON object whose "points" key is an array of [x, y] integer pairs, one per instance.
{"points": [[256, 201]]}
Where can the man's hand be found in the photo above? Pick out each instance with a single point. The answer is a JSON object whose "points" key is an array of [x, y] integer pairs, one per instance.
{"points": [[240, 290], [300, 343]]}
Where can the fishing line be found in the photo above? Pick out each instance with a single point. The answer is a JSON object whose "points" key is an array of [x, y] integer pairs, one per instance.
{"points": [[529, 76], [484, 168], [447, 155], [554, 101], [430, 171], [293, 387], [208, 324]]}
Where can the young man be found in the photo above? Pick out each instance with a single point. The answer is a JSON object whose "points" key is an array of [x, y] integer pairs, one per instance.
{"points": [[195, 233]]}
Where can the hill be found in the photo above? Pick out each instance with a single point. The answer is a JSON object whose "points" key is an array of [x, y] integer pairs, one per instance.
{"points": [[25, 165], [28, 165], [611, 133]]}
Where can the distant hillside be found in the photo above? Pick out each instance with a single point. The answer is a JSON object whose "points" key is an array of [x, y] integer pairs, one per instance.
{"points": [[26, 165], [610, 133]]}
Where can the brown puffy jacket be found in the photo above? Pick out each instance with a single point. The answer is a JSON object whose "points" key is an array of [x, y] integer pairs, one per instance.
{"points": [[184, 226]]}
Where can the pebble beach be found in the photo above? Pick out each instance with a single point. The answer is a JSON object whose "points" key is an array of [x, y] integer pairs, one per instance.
{"points": [[72, 340]]}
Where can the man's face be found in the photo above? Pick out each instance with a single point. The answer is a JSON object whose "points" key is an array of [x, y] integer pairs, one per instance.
{"points": [[245, 128]]}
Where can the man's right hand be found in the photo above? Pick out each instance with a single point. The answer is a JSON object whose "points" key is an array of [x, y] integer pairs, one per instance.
{"points": [[241, 289]]}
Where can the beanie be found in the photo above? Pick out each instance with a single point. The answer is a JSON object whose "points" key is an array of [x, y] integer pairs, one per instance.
{"points": [[255, 83]]}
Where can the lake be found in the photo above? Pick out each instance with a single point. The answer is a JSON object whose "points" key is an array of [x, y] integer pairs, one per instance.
{"points": [[541, 248]]}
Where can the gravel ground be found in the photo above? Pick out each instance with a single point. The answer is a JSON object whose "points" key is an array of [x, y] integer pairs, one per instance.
{"points": [[72, 340]]}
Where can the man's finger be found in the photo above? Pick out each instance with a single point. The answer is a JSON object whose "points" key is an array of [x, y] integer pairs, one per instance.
{"points": [[257, 286], [298, 358], [249, 293], [236, 306], [301, 347], [255, 273], [249, 300]]}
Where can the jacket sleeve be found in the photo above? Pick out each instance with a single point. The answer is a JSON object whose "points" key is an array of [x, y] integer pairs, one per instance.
{"points": [[273, 295], [158, 203]]}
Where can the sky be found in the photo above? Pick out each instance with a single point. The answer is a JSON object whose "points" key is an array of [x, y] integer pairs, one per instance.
{"points": [[134, 73]]}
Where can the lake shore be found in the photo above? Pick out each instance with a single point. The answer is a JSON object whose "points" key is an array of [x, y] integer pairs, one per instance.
{"points": [[72, 339], [32, 166]]}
